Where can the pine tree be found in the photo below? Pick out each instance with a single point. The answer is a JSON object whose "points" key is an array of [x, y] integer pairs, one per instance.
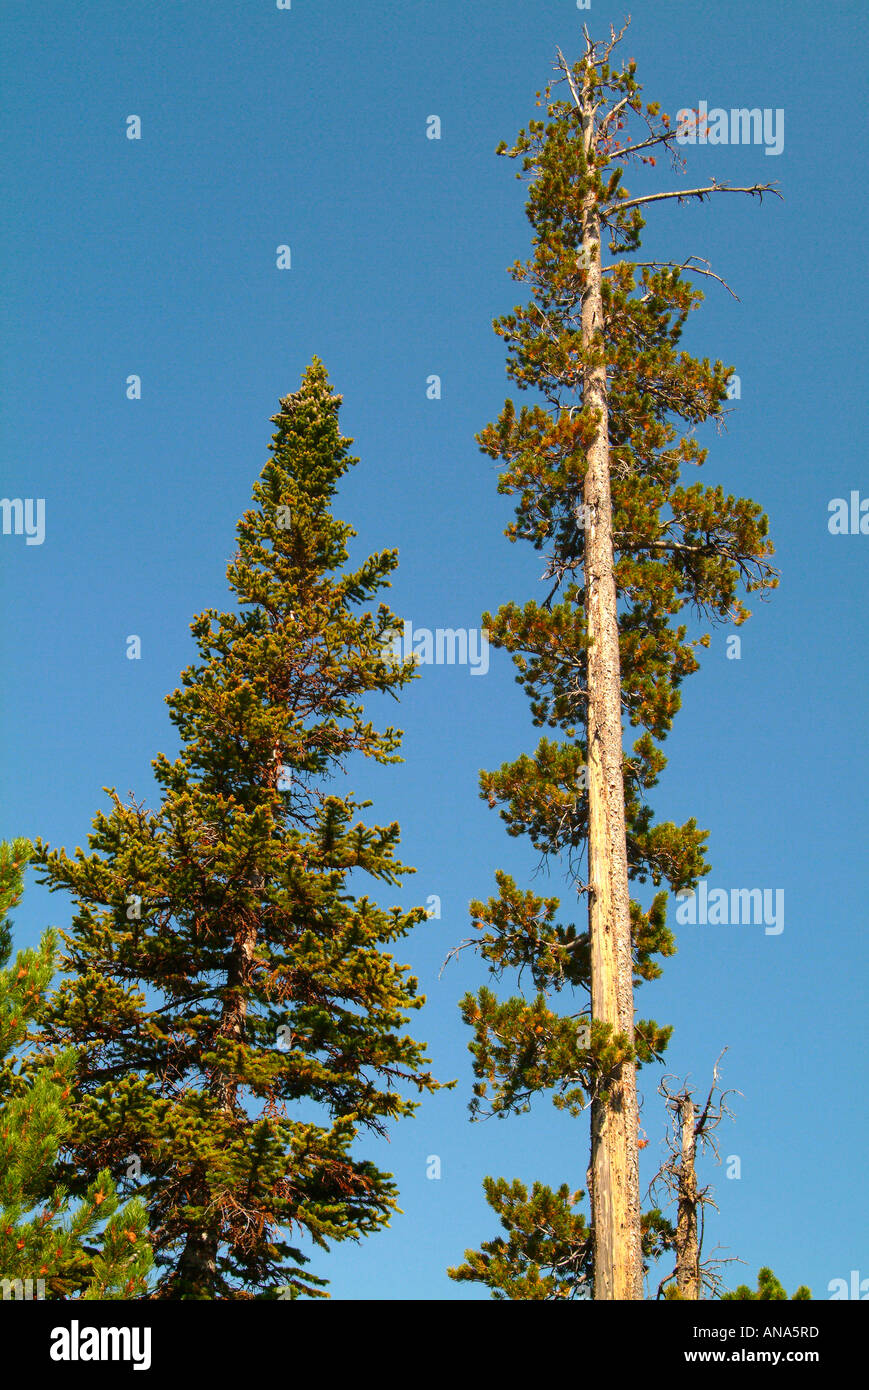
{"points": [[241, 1018], [597, 470], [545, 1254], [48, 1247]]}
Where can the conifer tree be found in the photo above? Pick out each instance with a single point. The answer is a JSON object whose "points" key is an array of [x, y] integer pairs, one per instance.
{"points": [[240, 1017], [597, 468], [48, 1247]]}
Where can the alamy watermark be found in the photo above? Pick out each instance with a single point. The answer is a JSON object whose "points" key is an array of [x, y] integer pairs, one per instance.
{"points": [[848, 516], [77, 1343], [445, 646], [24, 517], [750, 907], [857, 1288], [738, 126], [23, 1289]]}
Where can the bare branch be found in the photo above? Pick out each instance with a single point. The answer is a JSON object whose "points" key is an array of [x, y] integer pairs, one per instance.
{"points": [[462, 946], [663, 138], [757, 190], [698, 1128], [562, 64], [615, 38], [613, 111]]}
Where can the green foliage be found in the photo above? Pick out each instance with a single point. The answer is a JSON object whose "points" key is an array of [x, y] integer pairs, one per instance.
{"points": [[678, 545], [546, 1253], [14, 856], [768, 1288], [93, 1249], [240, 1020]]}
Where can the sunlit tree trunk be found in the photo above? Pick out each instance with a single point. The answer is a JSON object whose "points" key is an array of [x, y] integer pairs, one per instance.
{"points": [[614, 1168]]}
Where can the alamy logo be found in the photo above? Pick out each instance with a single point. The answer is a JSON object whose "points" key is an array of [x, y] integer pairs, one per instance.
{"points": [[858, 1288], [741, 906], [447, 646], [75, 1343], [24, 518], [849, 519], [739, 126], [22, 1289]]}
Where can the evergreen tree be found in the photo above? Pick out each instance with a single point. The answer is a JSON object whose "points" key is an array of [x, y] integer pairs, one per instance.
{"points": [[240, 1020], [48, 1247], [546, 1252], [597, 471], [768, 1288]]}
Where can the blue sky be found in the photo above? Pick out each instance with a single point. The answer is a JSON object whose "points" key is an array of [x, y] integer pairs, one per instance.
{"points": [[157, 257]]}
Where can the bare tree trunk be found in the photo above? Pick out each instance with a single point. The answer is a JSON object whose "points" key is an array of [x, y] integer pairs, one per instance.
{"points": [[615, 1194], [687, 1252]]}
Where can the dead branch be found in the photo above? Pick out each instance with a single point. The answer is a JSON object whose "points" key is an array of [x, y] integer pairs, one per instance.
{"points": [[756, 190]]}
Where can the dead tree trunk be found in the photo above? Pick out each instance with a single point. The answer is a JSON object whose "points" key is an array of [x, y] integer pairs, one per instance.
{"points": [[687, 1249], [614, 1168], [615, 1194], [691, 1130]]}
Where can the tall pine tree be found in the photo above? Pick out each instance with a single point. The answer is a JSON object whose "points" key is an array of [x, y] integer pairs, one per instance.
{"points": [[597, 467], [240, 1018]]}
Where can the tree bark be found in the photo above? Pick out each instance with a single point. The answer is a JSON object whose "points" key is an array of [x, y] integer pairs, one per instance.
{"points": [[615, 1196], [197, 1267], [687, 1253]]}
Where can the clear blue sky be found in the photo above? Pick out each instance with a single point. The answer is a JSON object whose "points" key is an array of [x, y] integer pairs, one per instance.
{"points": [[157, 257]]}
